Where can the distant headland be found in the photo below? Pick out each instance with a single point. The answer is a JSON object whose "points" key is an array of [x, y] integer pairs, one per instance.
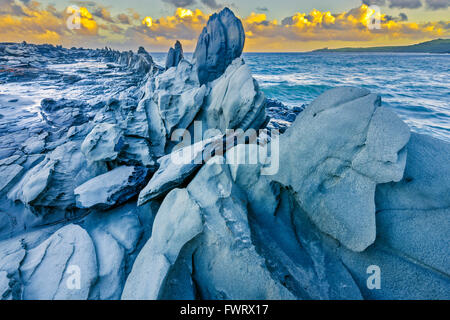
{"points": [[433, 46]]}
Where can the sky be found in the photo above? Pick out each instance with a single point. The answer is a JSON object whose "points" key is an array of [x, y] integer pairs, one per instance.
{"points": [[270, 26]]}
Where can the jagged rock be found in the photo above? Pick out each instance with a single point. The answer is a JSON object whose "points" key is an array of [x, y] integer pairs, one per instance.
{"points": [[136, 151], [235, 101], [157, 130], [8, 175], [174, 56], [112, 188], [115, 235], [284, 236], [221, 41], [347, 144], [220, 258], [175, 168], [178, 96], [64, 113], [225, 257], [142, 62], [4, 286], [35, 144], [52, 181], [103, 143], [172, 230], [47, 269]]}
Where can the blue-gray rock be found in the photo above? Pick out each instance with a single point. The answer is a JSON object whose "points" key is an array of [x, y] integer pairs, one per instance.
{"points": [[174, 55], [221, 41], [46, 271], [178, 221], [112, 188], [175, 169], [51, 182], [340, 147], [115, 234], [103, 143], [235, 100]]}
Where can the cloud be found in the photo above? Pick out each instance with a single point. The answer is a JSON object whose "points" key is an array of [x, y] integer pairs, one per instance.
{"points": [[403, 16], [124, 18], [405, 4], [32, 22], [437, 4], [351, 26], [184, 24], [11, 7], [103, 13], [212, 4], [180, 3], [37, 24], [374, 2]]}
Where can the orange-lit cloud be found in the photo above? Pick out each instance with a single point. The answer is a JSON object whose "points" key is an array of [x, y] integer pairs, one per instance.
{"points": [[127, 30], [356, 25]]}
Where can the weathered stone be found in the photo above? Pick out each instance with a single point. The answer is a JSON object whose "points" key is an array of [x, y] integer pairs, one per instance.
{"points": [[340, 148], [221, 41], [174, 56], [112, 188]]}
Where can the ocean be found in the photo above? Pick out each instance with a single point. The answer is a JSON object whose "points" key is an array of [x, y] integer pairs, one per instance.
{"points": [[415, 86]]}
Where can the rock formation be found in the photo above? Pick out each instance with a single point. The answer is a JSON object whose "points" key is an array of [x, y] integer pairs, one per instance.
{"points": [[174, 56], [221, 41], [100, 184]]}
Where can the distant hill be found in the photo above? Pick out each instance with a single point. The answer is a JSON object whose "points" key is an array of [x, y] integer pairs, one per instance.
{"points": [[433, 46]]}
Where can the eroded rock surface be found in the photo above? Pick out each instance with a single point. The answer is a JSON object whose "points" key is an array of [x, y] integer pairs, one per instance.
{"points": [[340, 148], [221, 41], [350, 190]]}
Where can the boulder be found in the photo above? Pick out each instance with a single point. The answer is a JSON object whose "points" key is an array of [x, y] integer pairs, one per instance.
{"points": [[340, 148], [426, 183], [284, 236], [112, 188], [63, 267], [221, 41], [412, 229]]}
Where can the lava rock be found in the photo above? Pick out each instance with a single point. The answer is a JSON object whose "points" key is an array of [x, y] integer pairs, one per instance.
{"points": [[221, 41]]}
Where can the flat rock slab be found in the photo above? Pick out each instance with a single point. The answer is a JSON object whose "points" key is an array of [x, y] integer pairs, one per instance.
{"points": [[112, 188]]}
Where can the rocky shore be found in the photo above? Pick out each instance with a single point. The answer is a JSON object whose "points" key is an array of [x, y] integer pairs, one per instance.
{"points": [[93, 205]]}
